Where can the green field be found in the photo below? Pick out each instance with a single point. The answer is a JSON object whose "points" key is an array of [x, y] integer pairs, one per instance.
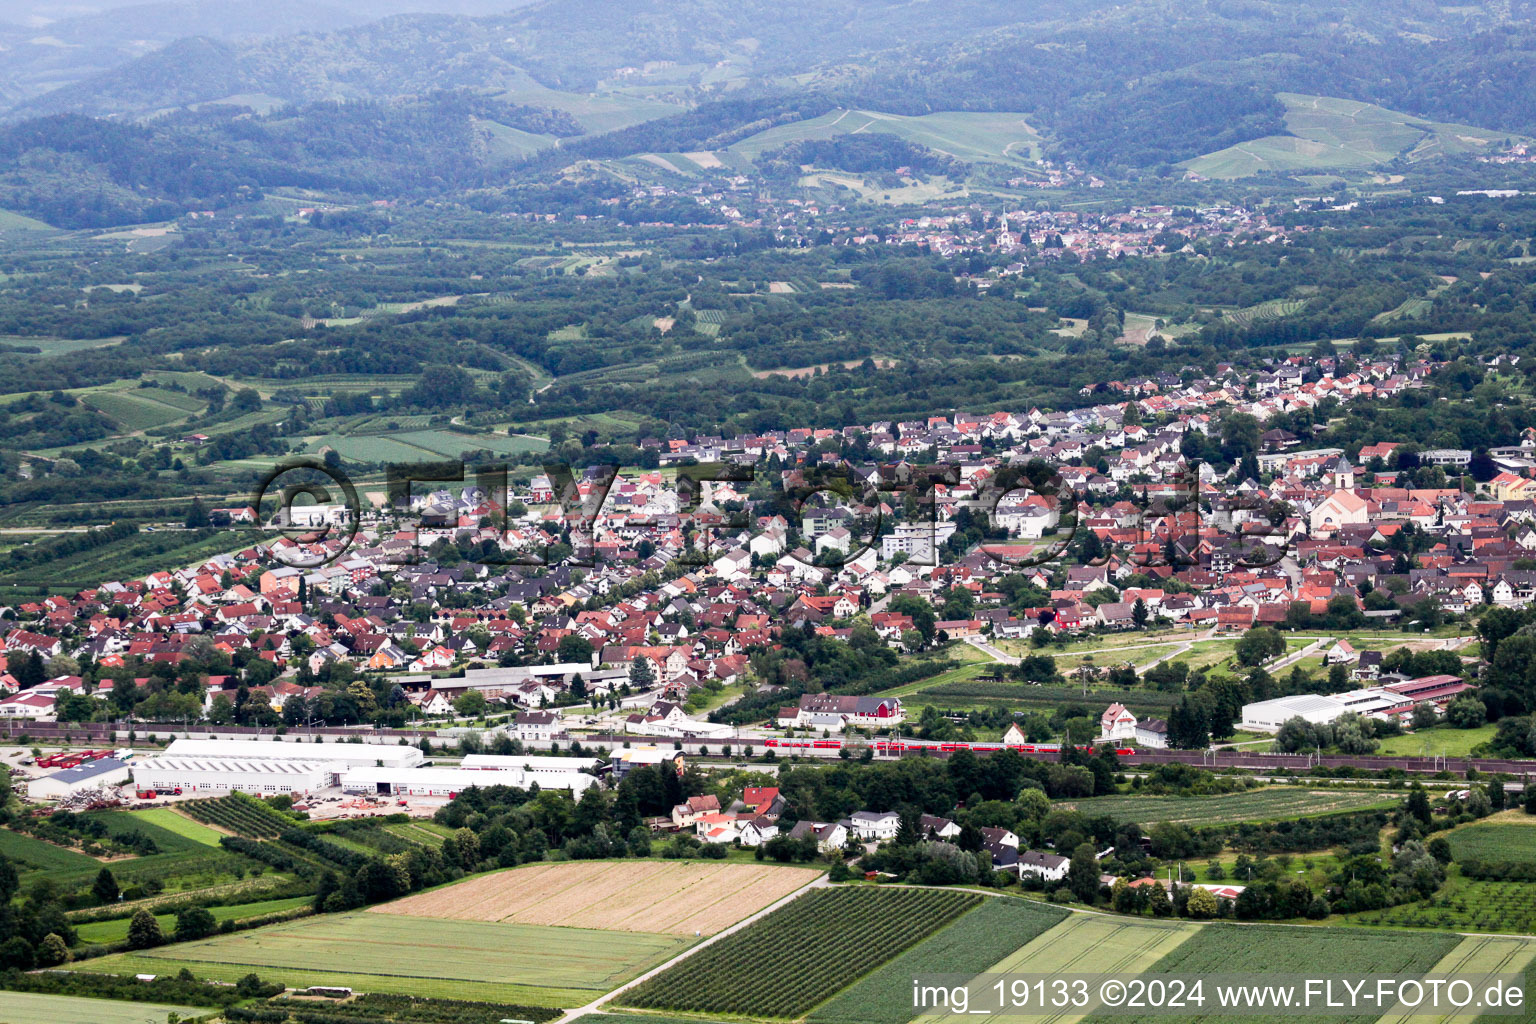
{"points": [[1330, 133], [36, 1008], [976, 941], [1512, 840], [143, 408], [1476, 957], [1231, 949], [532, 964], [1086, 944], [116, 930], [170, 821], [998, 137], [162, 825], [1272, 804], [786, 963], [1440, 740], [15, 222], [58, 346], [36, 855]]}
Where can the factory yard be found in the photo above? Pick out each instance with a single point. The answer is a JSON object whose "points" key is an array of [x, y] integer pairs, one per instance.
{"points": [[667, 897]]}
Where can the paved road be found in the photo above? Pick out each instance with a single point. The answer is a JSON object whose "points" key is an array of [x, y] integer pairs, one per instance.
{"points": [[992, 652], [570, 1015]]}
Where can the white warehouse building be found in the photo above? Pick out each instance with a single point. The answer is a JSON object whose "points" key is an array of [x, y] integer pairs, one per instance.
{"points": [[1270, 715], [548, 772], [265, 776], [449, 782], [338, 755]]}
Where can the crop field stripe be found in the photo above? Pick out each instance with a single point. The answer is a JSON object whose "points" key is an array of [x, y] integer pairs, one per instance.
{"points": [[442, 954], [649, 897], [972, 944], [1084, 943], [1271, 804], [1473, 958], [1281, 949], [395, 984], [41, 1008]]}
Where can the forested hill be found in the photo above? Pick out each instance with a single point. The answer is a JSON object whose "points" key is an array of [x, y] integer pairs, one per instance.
{"points": [[1113, 86], [74, 171]]}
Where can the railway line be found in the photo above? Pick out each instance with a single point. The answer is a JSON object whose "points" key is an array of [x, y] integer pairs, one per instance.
{"points": [[892, 748]]}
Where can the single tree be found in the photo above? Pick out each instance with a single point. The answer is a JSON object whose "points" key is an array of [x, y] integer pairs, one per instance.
{"points": [[144, 930]]}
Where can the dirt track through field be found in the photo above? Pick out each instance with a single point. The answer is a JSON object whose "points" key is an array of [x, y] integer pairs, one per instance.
{"points": [[669, 897]]}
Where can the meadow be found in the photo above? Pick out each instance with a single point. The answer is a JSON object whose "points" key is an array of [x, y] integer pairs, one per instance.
{"points": [[170, 821], [37, 1008], [1272, 804], [786, 963], [973, 943], [1442, 740], [533, 964], [1328, 132], [999, 137], [116, 930]]}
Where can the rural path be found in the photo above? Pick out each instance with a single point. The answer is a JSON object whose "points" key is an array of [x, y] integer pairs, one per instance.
{"points": [[819, 882], [992, 652]]}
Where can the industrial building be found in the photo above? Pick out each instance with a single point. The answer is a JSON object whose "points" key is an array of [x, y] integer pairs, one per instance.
{"points": [[449, 782], [106, 772], [1395, 700], [548, 772], [338, 755], [1270, 715], [263, 776]]}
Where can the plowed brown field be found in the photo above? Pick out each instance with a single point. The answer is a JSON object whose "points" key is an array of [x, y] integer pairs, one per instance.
{"points": [[670, 897]]}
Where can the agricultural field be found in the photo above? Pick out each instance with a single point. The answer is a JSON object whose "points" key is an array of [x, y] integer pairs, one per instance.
{"points": [[31, 854], [1271, 804], [1507, 839], [1274, 309], [1464, 904], [669, 897], [1327, 132], [143, 408], [238, 814], [1084, 943], [530, 964], [1231, 949], [968, 693], [38, 1008], [1473, 957], [116, 930], [979, 939], [1442, 740], [788, 962], [970, 137], [170, 821]]}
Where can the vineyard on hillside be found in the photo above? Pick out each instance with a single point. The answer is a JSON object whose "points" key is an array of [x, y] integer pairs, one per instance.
{"points": [[797, 957]]}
